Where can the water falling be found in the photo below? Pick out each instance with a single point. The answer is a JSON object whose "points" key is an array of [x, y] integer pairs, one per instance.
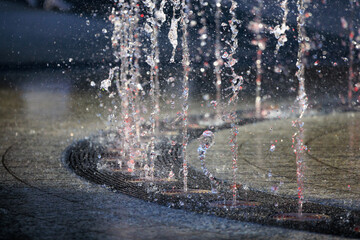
{"points": [[257, 27], [124, 82], [153, 60], [136, 76], [279, 31], [234, 148], [134, 86], [236, 86], [230, 61], [173, 32], [124, 79], [185, 94], [351, 55], [298, 137], [159, 14], [218, 62], [203, 32], [206, 141], [161, 18]]}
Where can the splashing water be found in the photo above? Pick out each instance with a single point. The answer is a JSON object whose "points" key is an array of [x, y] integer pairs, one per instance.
{"points": [[236, 83], [171, 175], [152, 61], [206, 141], [159, 14], [234, 150], [137, 87], [351, 55], [298, 137], [237, 80], [173, 35], [119, 75], [185, 95], [125, 79], [218, 60], [203, 32], [279, 31], [272, 148], [257, 27]]}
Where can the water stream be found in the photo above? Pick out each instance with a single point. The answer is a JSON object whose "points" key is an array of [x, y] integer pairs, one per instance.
{"points": [[136, 37]]}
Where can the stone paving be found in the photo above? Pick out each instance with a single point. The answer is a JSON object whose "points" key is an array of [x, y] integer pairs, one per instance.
{"points": [[40, 199], [331, 172]]}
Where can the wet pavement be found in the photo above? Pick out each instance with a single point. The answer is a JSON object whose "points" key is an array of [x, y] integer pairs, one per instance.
{"points": [[266, 160], [41, 199], [43, 112]]}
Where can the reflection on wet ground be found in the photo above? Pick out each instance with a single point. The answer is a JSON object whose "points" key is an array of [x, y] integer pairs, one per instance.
{"points": [[267, 161], [41, 199]]}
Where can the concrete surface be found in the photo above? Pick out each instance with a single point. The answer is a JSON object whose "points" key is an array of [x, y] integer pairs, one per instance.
{"points": [[43, 200]]}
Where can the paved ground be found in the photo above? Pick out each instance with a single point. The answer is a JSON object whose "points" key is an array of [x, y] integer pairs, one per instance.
{"points": [[41, 116], [43, 200], [266, 160]]}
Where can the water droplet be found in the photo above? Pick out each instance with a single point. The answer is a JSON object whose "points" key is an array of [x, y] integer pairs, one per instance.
{"points": [[170, 80], [171, 175], [213, 104], [206, 97], [105, 84], [147, 28], [206, 139], [173, 36], [272, 148]]}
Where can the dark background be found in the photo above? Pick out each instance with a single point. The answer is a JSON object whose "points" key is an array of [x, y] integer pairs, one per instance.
{"points": [[73, 42]]}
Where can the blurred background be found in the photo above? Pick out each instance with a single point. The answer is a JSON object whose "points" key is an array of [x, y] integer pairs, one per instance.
{"points": [[68, 42]]}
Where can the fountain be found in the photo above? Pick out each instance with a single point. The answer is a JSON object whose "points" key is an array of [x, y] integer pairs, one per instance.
{"points": [[160, 160], [298, 138]]}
